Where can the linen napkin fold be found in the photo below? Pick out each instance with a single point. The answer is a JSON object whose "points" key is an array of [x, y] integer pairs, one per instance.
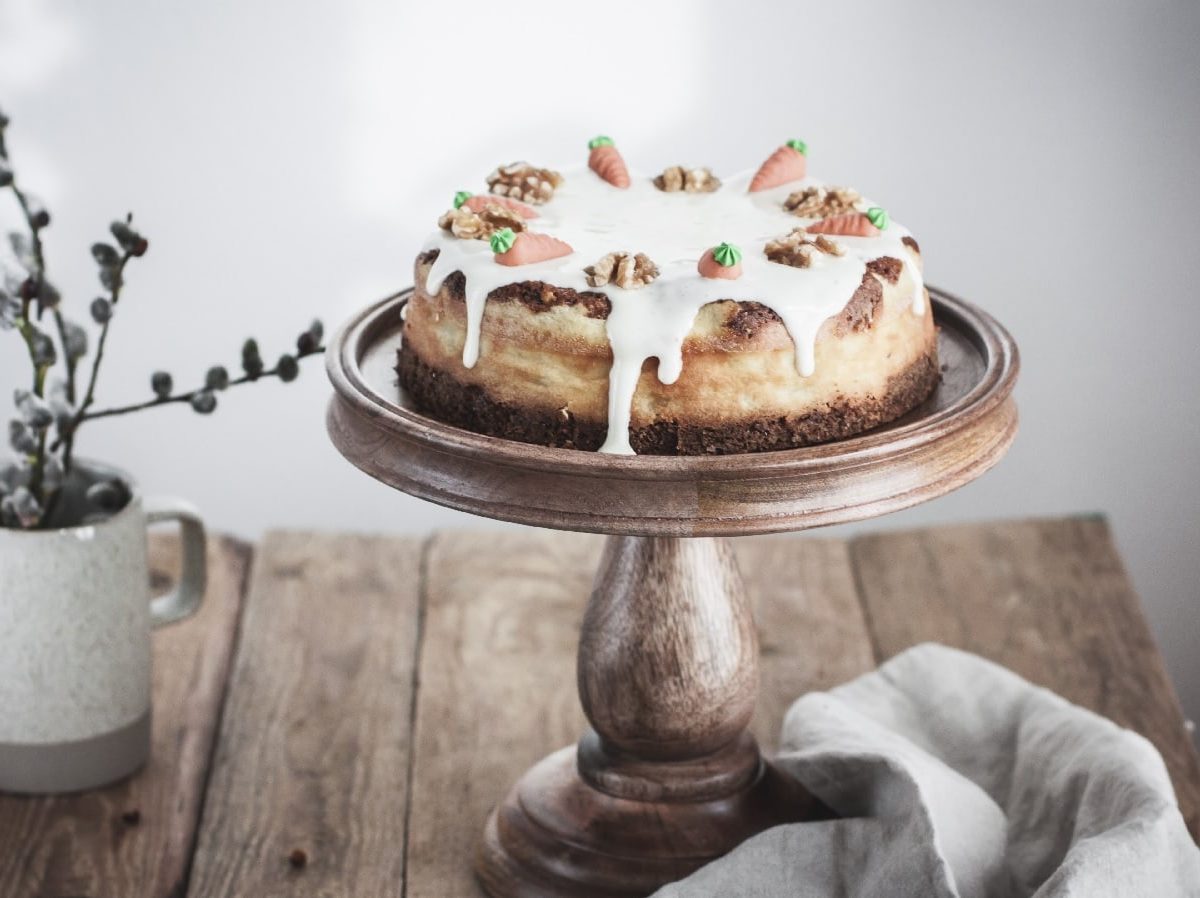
{"points": [[955, 777]]}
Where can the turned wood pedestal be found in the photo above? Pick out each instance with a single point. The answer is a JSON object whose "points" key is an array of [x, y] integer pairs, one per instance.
{"points": [[667, 778]]}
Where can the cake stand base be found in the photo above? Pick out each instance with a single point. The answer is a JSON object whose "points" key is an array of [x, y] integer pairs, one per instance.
{"points": [[556, 835]]}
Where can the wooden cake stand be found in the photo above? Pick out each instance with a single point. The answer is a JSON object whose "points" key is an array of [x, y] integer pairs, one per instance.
{"points": [[667, 778]]}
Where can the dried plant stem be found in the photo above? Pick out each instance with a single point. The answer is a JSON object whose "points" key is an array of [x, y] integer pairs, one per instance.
{"points": [[89, 397], [185, 397], [35, 235], [26, 327], [38, 469], [37, 473], [26, 331], [72, 363]]}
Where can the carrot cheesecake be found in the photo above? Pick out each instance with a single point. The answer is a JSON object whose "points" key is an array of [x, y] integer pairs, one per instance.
{"points": [[600, 308]]}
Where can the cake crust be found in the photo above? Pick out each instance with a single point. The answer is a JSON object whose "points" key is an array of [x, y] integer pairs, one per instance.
{"points": [[469, 406]]}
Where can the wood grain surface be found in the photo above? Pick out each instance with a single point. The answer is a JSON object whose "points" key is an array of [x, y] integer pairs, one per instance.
{"points": [[811, 630], [312, 760], [497, 685], [314, 741], [135, 838], [668, 650], [1048, 599]]}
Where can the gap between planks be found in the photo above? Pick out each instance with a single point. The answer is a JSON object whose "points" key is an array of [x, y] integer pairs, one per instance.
{"points": [[418, 653], [313, 751]]}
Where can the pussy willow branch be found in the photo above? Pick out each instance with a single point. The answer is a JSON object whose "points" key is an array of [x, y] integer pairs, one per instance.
{"points": [[90, 396], [26, 330], [39, 275], [182, 397], [72, 362]]}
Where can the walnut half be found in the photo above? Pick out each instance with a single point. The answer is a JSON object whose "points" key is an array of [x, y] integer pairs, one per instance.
{"points": [[797, 248], [468, 225], [524, 182], [689, 180], [822, 202], [623, 269]]}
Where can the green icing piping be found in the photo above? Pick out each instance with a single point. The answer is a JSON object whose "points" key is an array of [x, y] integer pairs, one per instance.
{"points": [[877, 217], [461, 197], [798, 145], [727, 255], [600, 141], [502, 241]]}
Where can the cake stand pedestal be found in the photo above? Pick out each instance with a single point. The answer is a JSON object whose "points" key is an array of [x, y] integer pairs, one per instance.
{"points": [[667, 777]]}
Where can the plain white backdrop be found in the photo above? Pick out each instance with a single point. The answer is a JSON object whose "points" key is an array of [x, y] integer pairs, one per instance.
{"points": [[287, 160]]}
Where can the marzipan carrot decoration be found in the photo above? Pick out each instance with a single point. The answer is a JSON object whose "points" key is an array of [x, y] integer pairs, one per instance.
{"points": [[526, 248], [605, 160], [788, 163], [722, 261], [478, 201], [852, 224]]}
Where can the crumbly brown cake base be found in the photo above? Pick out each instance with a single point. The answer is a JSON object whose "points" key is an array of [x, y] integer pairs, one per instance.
{"points": [[470, 407]]}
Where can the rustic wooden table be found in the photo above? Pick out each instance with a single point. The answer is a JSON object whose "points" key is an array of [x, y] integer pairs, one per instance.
{"points": [[365, 700]]}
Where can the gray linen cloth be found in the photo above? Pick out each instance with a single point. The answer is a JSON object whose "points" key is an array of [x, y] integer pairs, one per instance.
{"points": [[958, 778]]}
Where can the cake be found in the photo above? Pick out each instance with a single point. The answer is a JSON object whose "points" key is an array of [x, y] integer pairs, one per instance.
{"points": [[599, 308]]}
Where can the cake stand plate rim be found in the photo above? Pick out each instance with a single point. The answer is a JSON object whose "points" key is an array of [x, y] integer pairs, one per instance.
{"points": [[464, 470], [345, 350]]}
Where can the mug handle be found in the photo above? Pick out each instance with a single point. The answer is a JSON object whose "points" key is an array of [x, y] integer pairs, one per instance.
{"points": [[184, 599]]}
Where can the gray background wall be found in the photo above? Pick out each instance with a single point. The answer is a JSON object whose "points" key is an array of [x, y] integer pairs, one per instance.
{"points": [[286, 160]]}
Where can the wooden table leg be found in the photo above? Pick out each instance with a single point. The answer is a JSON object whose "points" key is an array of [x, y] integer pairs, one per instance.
{"points": [[667, 778]]}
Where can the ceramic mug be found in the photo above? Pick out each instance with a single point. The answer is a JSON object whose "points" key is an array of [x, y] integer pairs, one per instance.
{"points": [[75, 622]]}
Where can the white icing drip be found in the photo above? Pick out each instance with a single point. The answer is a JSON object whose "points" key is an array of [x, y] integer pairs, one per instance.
{"points": [[914, 271], [673, 229]]}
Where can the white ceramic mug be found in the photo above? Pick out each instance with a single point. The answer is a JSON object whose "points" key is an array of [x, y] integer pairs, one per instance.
{"points": [[75, 622]]}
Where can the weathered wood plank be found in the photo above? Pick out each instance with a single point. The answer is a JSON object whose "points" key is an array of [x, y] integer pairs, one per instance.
{"points": [[497, 685], [314, 744], [811, 629], [136, 838], [1048, 599]]}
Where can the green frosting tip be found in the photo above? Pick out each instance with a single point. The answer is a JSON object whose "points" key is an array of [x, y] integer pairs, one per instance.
{"points": [[727, 255], [877, 217], [798, 145], [461, 197], [502, 241], [600, 141]]}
